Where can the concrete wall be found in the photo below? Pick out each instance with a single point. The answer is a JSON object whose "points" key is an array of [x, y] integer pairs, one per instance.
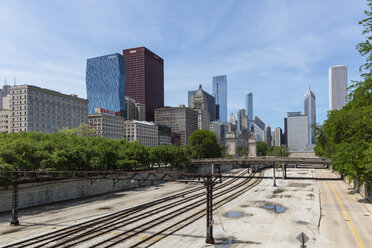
{"points": [[361, 188], [34, 194]]}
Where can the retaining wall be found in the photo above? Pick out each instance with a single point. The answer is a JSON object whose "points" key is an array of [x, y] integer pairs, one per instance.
{"points": [[359, 187], [34, 194]]}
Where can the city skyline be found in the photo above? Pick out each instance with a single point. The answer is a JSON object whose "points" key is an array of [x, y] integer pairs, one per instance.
{"points": [[279, 61]]}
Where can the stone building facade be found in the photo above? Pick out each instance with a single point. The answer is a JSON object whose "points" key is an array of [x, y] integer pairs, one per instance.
{"points": [[146, 133], [37, 109], [107, 125], [180, 119]]}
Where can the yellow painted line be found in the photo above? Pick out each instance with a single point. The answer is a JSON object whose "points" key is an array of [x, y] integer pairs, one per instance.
{"points": [[347, 217]]}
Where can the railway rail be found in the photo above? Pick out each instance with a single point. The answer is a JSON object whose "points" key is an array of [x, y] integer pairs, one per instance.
{"points": [[163, 217]]}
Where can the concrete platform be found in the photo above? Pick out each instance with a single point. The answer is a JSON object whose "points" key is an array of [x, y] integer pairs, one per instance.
{"points": [[266, 216]]}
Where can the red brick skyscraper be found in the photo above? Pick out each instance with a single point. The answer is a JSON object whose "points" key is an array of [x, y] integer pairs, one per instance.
{"points": [[144, 78]]}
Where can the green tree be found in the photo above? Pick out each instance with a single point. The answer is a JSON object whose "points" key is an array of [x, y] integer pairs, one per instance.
{"points": [[83, 130], [346, 136], [242, 151], [204, 144], [278, 151], [261, 148]]}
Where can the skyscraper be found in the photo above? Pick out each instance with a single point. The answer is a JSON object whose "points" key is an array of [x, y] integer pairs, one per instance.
{"points": [[259, 129], [145, 79], [105, 82], [268, 135], [220, 93], [209, 101], [278, 136], [310, 110], [337, 87], [249, 109], [240, 115], [298, 132], [181, 120]]}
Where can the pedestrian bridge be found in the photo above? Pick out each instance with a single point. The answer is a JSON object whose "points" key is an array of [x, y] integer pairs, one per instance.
{"points": [[263, 161]]}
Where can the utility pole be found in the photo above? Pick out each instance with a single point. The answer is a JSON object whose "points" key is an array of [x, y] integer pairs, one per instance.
{"points": [[209, 184], [14, 221]]}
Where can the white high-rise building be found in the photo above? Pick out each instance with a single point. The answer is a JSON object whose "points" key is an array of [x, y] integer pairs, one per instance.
{"points": [[298, 132], [310, 110], [337, 87], [278, 136]]}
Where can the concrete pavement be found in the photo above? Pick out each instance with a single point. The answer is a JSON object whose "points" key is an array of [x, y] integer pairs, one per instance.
{"points": [[346, 218]]}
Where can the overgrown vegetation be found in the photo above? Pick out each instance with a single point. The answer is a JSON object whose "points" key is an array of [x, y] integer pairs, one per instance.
{"points": [[346, 135]]}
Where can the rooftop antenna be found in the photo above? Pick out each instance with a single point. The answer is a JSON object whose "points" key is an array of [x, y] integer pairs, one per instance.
{"points": [[5, 81], [15, 81]]}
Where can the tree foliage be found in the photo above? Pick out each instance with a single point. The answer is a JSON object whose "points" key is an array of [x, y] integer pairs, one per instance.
{"points": [[261, 148], [60, 151], [204, 144], [346, 135], [278, 151], [83, 130], [242, 151]]}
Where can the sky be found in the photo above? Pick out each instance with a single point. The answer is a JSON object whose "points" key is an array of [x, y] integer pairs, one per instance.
{"points": [[275, 49]]}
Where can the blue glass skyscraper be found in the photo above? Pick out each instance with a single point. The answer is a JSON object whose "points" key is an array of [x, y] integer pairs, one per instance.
{"points": [[220, 93], [105, 82], [249, 109]]}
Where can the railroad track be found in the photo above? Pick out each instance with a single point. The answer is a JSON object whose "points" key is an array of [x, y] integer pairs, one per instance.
{"points": [[116, 228]]}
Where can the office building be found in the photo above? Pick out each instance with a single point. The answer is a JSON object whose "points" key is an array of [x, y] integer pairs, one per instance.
{"points": [[131, 109], [337, 87], [310, 110], [298, 132], [245, 123], [5, 109], [107, 124], [278, 136], [144, 79], [200, 99], [220, 94], [176, 139], [181, 120], [37, 109], [141, 111], [268, 135], [249, 109], [5, 91], [285, 133], [240, 115], [259, 129], [199, 102], [216, 128], [105, 83], [134, 111], [165, 135], [294, 114], [232, 127], [146, 133]]}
